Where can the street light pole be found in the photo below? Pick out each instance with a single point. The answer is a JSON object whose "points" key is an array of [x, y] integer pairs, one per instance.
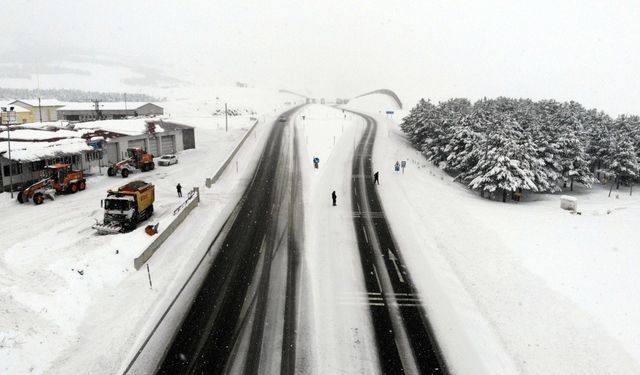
{"points": [[8, 114]]}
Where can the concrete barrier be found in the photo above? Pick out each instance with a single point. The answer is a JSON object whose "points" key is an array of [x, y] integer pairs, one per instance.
{"points": [[212, 180], [180, 214]]}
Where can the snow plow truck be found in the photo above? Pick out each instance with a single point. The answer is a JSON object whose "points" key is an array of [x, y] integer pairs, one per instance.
{"points": [[59, 179], [126, 207], [137, 160]]}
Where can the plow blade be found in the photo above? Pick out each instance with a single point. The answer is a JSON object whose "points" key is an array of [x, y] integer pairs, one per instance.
{"points": [[108, 228]]}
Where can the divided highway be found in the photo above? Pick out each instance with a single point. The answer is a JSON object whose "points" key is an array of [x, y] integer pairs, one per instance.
{"points": [[405, 341], [244, 318]]}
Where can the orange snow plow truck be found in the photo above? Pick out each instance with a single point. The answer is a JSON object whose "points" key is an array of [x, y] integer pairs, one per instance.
{"points": [[126, 207], [137, 160], [59, 179]]}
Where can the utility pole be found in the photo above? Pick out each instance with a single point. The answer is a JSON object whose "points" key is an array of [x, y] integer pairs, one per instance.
{"points": [[226, 121], [96, 105], [40, 109]]}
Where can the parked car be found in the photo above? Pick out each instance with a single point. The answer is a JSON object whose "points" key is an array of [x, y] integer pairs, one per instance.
{"points": [[168, 160], [282, 119]]}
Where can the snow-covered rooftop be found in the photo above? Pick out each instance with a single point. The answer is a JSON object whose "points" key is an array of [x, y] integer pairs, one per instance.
{"points": [[43, 125], [16, 107], [43, 102], [32, 151], [105, 106], [129, 126], [39, 135]]}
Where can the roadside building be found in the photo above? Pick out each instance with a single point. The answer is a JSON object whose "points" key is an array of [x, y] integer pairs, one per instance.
{"points": [[80, 112], [155, 136], [89, 146], [41, 110], [32, 150], [23, 115]]}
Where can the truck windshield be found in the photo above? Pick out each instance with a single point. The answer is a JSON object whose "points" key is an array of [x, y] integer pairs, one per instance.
{"points": [[116, 204]]}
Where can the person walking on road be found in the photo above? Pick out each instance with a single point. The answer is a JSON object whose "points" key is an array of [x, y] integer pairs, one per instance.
{"points": [[334, 197], [179, 190], [375, 178]]}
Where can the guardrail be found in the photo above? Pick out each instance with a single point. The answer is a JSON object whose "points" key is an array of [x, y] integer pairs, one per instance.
{"points": [[212, 180], [180, 213]]}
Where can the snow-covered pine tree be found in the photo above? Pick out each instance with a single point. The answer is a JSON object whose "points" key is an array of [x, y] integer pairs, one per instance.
{"points": [[448, 115], [463, 147], [546, 139], [623, 161], [411, 122], [598, 147], [571, 157], [499, 167]]}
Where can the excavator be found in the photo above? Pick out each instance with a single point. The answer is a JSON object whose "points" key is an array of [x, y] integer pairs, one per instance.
{"points": [[59, 179], [137, 159]]}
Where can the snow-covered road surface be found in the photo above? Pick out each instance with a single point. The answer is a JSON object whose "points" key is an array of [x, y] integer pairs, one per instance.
{"points": [[244, 318]]}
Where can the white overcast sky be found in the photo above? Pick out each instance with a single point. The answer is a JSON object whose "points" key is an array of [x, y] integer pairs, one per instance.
{"points": [[583, 50]]}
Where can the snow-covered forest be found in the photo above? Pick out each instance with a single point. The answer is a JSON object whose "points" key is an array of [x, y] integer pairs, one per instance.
{"points": [[510, 146]]}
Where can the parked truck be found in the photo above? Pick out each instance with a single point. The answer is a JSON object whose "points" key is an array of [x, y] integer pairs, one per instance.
{"points": [[125, 207], [58, 178], [137, 160]]}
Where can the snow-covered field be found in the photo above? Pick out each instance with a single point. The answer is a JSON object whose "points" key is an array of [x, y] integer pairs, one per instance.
{"points": [[515, 288], [71, 300]]}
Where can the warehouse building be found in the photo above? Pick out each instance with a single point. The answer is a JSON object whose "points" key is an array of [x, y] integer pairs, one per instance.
{"points": [[41, 110], [107, 111]]}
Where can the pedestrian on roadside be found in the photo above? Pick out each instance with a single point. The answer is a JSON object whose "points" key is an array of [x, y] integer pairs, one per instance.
{"points": [[375, 178], [396, 167], [334, 197], [179, 190]]}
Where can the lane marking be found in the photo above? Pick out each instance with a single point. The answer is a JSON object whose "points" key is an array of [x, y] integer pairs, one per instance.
{"points": [[393, 258], [365, 235], [375, 271]]}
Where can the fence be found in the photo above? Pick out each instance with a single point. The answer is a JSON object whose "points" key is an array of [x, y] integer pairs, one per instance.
{"points": [[180, 213], [212, 180]]}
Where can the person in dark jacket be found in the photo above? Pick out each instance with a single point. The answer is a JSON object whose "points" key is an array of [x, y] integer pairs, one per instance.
{"points": [[375, 178], [179, 190], [334, 197]]}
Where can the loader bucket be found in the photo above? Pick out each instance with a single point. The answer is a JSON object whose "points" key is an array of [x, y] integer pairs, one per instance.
{"points": [[108, 228]]}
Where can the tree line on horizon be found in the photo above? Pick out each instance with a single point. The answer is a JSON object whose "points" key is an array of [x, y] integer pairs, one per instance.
{"points": [[74, 95], [517, 145]]}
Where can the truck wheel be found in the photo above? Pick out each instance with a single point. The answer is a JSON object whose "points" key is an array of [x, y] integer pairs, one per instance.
{"points": [[82, 185], [111, 172], [152, 165], [38, 198], [20, 197], [125, 173], [72, 188]]}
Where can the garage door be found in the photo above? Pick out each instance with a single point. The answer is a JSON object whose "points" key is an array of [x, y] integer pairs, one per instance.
{"points": [[111, 150], [168, 144], [137, 143], [153, 146]]}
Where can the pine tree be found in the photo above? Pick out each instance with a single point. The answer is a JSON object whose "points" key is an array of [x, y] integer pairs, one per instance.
{"points": [[500, 166]]}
